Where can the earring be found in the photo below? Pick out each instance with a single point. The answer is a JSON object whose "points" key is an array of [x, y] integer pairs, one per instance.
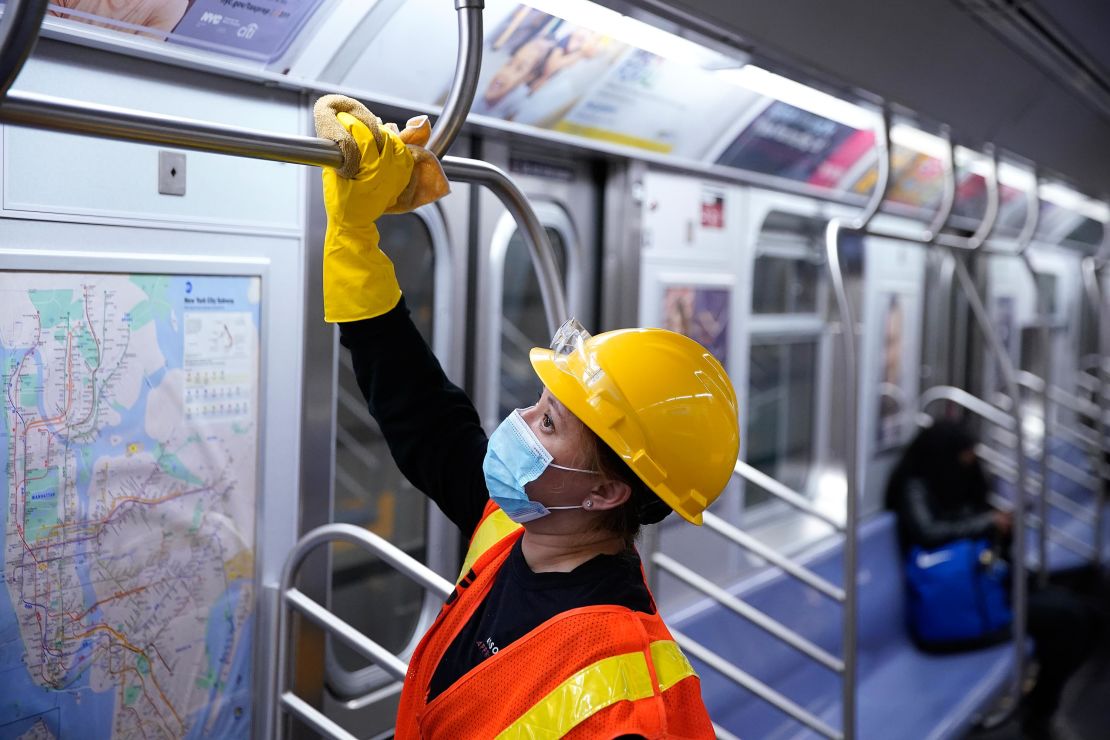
{"points": [[588, 503]]}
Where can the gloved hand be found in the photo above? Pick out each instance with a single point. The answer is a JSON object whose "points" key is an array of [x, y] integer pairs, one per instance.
{"points": [[376, 177]]}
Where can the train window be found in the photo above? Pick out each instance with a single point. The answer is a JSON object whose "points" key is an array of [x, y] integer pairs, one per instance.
{"points": [[1046, 294], [782, 284], [524, 324], [370, 491], [781, 411]]}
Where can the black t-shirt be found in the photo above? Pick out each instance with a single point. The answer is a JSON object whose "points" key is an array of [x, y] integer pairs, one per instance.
{"points": [[437, 440], [521, 600]]}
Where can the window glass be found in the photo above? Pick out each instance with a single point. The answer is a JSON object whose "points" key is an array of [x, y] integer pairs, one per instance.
{"points": [[1046, 294], [370, 491], [523, 322], [781, 412], [784, 285]]}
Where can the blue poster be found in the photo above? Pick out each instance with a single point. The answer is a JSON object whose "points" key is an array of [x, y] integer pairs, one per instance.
{"points": [[256, 29]]}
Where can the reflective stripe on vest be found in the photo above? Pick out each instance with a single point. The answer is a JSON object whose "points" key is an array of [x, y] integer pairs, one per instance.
{"points": [[608, 681], [491, 530]]}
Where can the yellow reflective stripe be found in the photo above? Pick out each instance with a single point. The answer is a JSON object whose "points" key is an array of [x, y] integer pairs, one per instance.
{"points": [[495, 527], [606, 682], [671, 666]]}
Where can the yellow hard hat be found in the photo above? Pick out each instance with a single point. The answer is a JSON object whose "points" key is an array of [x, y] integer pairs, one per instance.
{"points": [[659, 399]]}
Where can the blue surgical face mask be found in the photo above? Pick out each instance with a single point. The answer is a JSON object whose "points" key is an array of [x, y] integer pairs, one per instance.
{"points": [[516, 457]]}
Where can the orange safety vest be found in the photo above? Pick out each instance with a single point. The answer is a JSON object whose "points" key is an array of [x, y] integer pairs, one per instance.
{"points": [[592, 672]]}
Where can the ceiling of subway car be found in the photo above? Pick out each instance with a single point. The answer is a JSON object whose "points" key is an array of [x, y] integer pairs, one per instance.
{"points": [[1030, 76]]}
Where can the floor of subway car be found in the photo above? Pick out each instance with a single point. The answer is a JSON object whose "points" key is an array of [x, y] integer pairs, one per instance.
{"points": [[1083, 713]]}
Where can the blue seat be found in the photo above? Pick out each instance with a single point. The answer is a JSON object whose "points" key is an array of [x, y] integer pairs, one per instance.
{"points": [[902, 692]]}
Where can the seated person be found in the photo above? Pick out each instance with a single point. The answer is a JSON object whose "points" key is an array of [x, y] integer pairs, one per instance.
{"points": [[938, 492]]}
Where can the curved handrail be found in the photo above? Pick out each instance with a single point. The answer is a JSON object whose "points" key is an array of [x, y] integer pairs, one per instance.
{"points": [[948, 197], [19, 30], [292, 598], [972, 403], [468, 65], [516, 202]]}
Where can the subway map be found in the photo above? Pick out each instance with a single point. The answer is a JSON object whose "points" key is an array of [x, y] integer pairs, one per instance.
{"points": [[130, 453]]}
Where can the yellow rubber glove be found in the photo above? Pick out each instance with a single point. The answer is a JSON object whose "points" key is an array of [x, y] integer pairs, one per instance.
{"points": [[359, 281]]}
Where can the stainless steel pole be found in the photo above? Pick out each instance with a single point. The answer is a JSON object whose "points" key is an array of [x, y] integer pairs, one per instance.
{"points": [[110, 122], [1029, 228], [468, 64], [516, 202], [851, 415], [19, 30]]}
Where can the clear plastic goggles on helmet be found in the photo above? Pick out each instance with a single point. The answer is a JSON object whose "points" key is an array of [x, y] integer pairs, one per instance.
{"points": [[571, 355]]}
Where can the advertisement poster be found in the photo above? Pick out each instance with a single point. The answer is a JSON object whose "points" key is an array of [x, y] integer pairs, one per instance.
{"points": [[256, 29], [656, 104], [535, 67], [786, 142], [916, 179], [712, 208], [893, 409], [701, 313]]}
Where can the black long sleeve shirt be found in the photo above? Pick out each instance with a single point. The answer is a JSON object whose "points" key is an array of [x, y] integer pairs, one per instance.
{"points": [[435, 436], [922, 523]]}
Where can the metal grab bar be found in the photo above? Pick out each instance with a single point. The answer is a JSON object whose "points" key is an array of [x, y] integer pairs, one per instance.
{"points": [[19, 30], [1005, 469], [741, 608], [851, 412], [973, 403], [862, 226], [783, 492], [124, 124], [1092, 293], [59, 114], [746, 541], [291, 598], [751, 683], [539, 246], [468, 64]]}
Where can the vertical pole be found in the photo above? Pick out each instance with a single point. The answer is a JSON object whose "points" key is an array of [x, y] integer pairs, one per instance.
{"points": [[851, 416], [1025, 238], [1010, 378]]}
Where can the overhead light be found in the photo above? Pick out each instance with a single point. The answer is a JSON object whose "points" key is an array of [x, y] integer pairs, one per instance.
{"points": [[920, 141], [771, 85], [632, 32], [1065, 197], [1016, 177]]}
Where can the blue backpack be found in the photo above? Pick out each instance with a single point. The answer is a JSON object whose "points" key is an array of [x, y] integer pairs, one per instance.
{"points": [[958, 595]]}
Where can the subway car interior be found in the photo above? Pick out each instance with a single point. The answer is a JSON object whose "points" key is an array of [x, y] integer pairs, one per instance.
{"points": [[880, 218]]}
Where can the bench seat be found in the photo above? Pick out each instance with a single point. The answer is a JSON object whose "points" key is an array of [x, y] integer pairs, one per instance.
{"points": [[902, 691]]}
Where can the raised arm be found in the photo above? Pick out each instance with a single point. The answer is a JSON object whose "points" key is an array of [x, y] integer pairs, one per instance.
{"points": [[430, 425]]}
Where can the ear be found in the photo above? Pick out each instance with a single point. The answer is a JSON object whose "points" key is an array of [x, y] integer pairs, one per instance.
{"points": [[609, 495]]}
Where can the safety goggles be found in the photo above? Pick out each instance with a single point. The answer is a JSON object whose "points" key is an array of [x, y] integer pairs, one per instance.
{"points": [[622, 432]]}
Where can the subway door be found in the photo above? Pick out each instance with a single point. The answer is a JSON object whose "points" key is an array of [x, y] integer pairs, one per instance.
{"points": [[369, 490], [509, 316]]}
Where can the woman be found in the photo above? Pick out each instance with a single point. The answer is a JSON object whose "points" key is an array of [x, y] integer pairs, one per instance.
{"points": [[939, 493], [551, 630]]}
